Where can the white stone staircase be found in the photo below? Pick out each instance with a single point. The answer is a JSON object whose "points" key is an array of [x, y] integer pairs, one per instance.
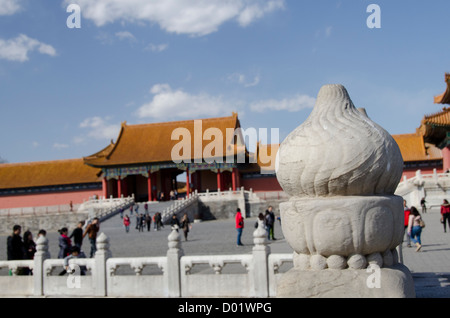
{"points": [[103, 208]]}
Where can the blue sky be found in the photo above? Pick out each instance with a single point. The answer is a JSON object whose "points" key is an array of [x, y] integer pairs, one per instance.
{"points": [[64, 92]]}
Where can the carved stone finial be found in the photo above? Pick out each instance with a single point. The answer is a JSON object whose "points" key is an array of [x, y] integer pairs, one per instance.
{"points": [[338, 151], [341, 170], [174, 240]]}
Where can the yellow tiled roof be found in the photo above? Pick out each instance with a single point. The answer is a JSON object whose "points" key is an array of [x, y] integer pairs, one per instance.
{"points": [[413, 148], [46, 173], [445, 97], [151, 143]]}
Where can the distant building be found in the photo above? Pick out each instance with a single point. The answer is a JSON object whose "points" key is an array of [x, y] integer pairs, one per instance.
{"points": [[428, 148], [47, 183]]}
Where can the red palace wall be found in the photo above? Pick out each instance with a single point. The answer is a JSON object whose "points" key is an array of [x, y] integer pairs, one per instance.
{"points": [[261, 184], [47, 199]]}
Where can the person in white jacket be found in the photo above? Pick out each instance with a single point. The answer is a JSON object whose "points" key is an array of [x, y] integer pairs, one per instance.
{"points": [[415, 228]]}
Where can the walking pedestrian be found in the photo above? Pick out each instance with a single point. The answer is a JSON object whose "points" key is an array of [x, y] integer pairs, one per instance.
{"points": [[270, 223], [77, 234], [159, 221], [64, 243], [141, 223], [29, 245], [185, 225], [175, 223], [92, 230], [155, 225], [445, 214], [239, 226], [30, 248], [148, 221], [415, 228], [126, 223], [423, 205], [260, 223], [138, 220], [15, 248], [406, 212]]}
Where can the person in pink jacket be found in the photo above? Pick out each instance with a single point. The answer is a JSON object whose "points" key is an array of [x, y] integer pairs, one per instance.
{"points": [[445, 214], [239, 226]]}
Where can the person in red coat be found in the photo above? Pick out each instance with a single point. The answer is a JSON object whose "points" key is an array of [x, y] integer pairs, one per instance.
{"points": [[126, 223], [239, 226], [445, 214], [407, 212]]}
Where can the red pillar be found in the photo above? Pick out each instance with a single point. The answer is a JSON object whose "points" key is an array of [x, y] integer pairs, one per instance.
{"points": [[219, 180], [154, 182], [233, 179], [446, 158], [188, 186], [149, 185], [105, 187], [119, 188]]}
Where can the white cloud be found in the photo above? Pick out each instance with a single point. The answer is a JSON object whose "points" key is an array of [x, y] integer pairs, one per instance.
{"points": [[17, 49], [60, 146], [169, 103], [293, 104], [126, 35], [9, 7], [157, 47], [193, 17], [257, 10], [242, 79], [99, 128]]}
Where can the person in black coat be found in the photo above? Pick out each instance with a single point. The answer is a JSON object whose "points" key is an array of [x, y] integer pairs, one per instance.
{"points": [[77, 234], [16, 249], [15, 246], [175, 223]]}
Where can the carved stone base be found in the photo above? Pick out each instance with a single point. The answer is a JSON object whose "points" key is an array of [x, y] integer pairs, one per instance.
{"points": [[388, 282]]}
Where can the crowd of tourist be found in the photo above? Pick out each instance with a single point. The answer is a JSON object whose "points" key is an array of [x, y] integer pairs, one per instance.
{"points": [[19, 248]]}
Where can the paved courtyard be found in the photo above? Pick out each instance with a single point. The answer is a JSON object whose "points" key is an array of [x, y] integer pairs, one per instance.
{"points": [[430, 267]]}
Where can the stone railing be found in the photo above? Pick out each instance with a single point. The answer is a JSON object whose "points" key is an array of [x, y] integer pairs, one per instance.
{"points": [[230, 194], [433, 187], [173, 275], [39, 210], [104, 208]]}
